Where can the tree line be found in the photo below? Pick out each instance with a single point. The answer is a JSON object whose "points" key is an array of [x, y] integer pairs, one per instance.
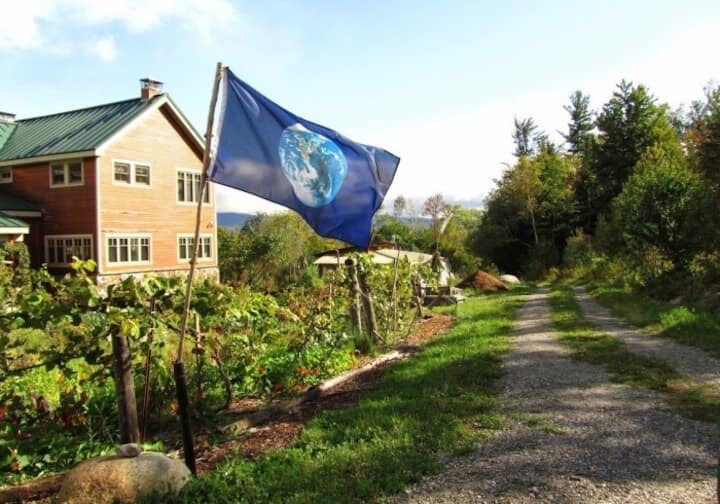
{"points": [[635, 182]]}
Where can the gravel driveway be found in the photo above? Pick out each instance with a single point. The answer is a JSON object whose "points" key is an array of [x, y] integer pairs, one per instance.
{"points": [[575, 437], [687, 360]]}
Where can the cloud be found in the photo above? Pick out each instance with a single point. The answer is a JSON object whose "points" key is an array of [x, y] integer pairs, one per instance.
{"points": [[104, 49], [41, 24]]}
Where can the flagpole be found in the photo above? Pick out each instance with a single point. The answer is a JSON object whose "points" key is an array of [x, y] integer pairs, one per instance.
{"points": [[179, 366]]}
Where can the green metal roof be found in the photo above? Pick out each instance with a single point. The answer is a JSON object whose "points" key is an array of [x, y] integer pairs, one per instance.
{"points": [[67, 132], [11, 202], [11, 222], [6, 130]]}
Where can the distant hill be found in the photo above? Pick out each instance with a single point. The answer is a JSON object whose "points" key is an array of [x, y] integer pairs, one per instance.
{"points": [[409, 221], [232, 219]]}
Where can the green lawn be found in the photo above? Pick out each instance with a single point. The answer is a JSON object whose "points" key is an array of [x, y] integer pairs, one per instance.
{"points": [[589, 344], [441, 400], [680, 323]]}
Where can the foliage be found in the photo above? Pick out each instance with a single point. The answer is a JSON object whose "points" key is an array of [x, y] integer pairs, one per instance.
{"points": [[581, 122], [662, 207], [269, 252], [441, 400]]}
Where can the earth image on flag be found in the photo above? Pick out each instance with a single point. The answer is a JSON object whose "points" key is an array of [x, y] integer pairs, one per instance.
{"points": [[313, 164]]}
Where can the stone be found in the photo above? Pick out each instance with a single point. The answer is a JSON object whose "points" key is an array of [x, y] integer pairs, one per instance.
{"points": [[129, 450], [510, 279], [116, 478]]}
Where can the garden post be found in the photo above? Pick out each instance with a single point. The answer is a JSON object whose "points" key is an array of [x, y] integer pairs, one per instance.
{"points": [[355, 294], [369, 307], [125, 389]]}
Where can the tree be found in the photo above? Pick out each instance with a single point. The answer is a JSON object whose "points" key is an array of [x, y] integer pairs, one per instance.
{"points": [[630, 123], [581, 122], [399, 206], [663, 206], [440, 212], [702, 138], [523, 137]]}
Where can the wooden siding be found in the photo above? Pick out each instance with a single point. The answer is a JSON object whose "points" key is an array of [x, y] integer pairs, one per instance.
{"points": [[66, 210], [154, 210]]}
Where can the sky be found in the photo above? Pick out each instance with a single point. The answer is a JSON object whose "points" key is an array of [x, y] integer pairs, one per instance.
{"points": [[436, 83]]}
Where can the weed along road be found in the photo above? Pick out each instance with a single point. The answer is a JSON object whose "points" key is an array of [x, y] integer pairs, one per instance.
{"points": [[575, 434]]}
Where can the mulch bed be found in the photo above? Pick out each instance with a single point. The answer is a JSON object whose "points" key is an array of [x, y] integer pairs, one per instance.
{"points": [[283, 430], [281, 427]]}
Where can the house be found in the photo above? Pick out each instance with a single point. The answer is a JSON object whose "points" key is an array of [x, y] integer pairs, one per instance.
{"points": [[117, 183]]}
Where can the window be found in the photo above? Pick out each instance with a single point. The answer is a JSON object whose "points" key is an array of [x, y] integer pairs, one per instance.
{"points": [[142, 175], [60, 249], [128, 249], [66, 173], [121, 172], [188, 187], [185, 247], [6, 175], [131, 173]]}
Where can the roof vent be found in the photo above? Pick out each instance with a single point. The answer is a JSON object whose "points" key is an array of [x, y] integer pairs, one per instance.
{"points": [[7, 117], [150, 88]]}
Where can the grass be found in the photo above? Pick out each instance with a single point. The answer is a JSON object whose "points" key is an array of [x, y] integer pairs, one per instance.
{"points": [[442, 400], [587, 343], [682, 324]]}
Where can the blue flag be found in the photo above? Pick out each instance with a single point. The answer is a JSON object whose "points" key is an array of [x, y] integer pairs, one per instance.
{"points": [[335, 184]]}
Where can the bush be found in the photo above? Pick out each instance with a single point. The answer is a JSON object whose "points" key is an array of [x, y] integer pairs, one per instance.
{"points": [[579, 250], [661, 215]]}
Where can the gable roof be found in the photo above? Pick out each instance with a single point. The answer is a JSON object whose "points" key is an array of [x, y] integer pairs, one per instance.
{"points": [[80, 131], [6, 130]]}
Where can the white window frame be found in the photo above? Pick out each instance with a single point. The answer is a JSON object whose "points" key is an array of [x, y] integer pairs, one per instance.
{"points": [[66, 166], [128, 236], [133, 182], [188, 248], [3, 179], [191, 171], [56, 264]]}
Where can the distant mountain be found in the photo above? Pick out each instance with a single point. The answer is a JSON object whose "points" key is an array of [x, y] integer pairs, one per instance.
{"points": [[409, 221], [232, 219]]}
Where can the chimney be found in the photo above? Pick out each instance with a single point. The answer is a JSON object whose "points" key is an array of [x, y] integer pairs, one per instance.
{"points": [[7, 117], [150, 88]]}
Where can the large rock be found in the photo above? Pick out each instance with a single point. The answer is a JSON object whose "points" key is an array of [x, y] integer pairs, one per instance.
{"points": [[121, 479], [509, 279]]}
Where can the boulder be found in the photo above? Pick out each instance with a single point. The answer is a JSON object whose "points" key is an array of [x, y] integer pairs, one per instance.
{"points": [[510, 279], [482, 280], [116, 478]]}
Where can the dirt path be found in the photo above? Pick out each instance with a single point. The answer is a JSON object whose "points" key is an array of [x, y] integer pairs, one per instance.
{"points": [[576, 438], [687, 360]]}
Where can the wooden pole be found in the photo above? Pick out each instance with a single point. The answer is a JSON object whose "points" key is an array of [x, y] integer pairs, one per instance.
{"points": [[146, 385], [394, 287], [198, 215], [369, 307], [355, 294], [125, 389], [179, 366]]}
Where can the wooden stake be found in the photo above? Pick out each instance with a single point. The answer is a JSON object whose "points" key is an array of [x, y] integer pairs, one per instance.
{"points": [[179, 366], [394, 288], [355, 294], [369, 307], [125, 389], [198, 215]]}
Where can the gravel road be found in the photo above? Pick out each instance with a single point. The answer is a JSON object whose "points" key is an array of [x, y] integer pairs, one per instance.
{"points": [[687, 360], [576, 438]]}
